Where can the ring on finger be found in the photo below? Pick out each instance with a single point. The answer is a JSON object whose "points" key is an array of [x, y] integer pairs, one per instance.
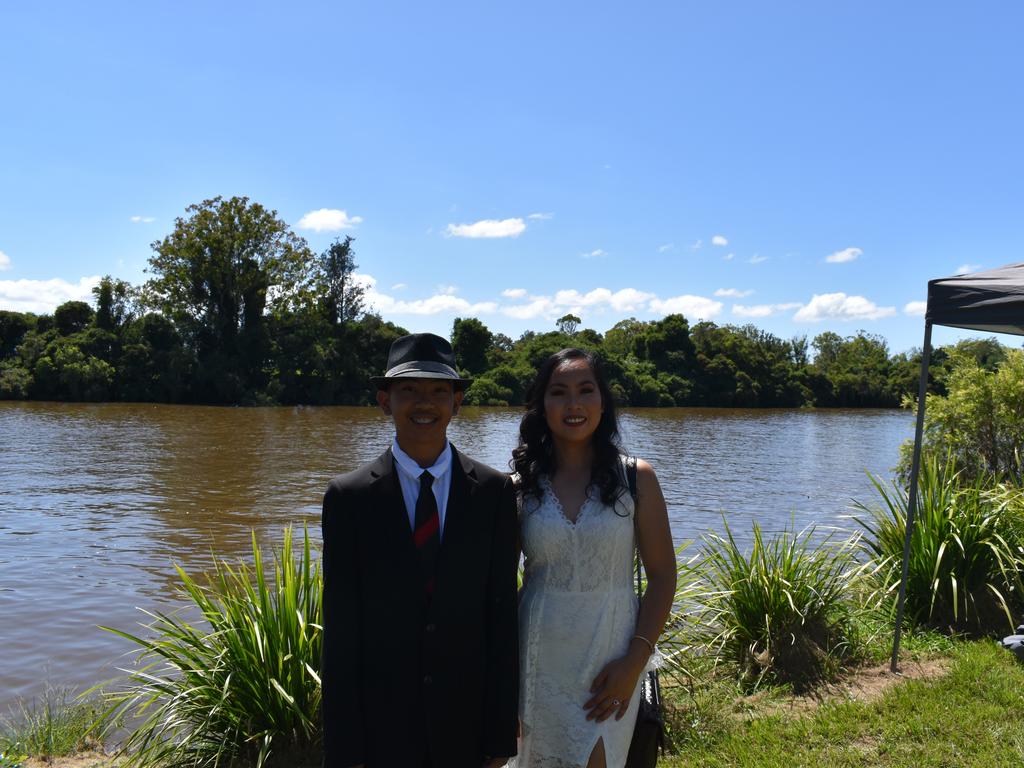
{"points": [[616, 702]]}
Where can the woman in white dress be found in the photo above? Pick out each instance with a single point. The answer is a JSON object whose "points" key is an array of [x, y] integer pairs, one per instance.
{"points": [[584, 641]]}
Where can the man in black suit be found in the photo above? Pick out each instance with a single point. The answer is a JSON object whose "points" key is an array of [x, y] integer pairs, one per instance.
{"points": [[420, 661]]}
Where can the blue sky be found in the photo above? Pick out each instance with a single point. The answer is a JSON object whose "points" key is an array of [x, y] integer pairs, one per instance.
{"points": [[801, 166]]}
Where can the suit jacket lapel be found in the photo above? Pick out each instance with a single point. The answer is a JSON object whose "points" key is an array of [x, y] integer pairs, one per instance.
{"points": [[457, 528], [390, 506]]}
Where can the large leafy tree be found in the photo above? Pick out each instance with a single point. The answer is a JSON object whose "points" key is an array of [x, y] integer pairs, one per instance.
{"points": [[13, 327], [72, 317], [471, 341], [568, 324], [217, 275], [341, 293], [115, 303]]}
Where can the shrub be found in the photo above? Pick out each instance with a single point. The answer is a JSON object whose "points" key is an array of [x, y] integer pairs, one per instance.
{"points": [[244, 686], [980, 422], [485, 391], [14, 382], [783, 609], [57, 724], [964, 550]]}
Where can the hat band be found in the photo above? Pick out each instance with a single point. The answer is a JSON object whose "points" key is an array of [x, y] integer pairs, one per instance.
{"points": [[420, 366]]}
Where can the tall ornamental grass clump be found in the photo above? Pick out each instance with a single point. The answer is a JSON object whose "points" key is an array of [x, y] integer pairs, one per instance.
{"points": [[677, 643], [781, 610], [242, 685], [965, 548]]}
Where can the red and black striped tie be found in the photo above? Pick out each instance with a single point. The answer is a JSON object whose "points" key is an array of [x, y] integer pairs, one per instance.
{"points": [[427, 534]]}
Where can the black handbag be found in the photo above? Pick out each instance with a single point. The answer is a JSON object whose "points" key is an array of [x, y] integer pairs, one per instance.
{"points": [[649, 731]]}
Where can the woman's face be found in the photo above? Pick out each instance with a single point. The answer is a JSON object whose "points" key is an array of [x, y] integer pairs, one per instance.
{"points": [[572, 402]]}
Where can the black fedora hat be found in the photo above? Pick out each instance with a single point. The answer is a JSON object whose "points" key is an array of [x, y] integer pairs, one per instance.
{"points": [[421, 356]]}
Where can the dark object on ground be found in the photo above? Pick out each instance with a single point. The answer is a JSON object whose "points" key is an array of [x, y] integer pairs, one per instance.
{"points": [[1015, 643]]}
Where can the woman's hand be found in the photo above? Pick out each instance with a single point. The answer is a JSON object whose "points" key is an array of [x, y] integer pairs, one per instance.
{"points": [[615, 684]]}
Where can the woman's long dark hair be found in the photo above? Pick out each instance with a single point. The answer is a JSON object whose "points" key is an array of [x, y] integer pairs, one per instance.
{"points": [[535, 454]]}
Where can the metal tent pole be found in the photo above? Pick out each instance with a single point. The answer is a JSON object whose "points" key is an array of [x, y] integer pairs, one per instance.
{"points": [[915, 467]]}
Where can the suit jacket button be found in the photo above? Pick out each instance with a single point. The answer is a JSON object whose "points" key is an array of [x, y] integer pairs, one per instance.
{"points": [[431, 627], [427, 679]]}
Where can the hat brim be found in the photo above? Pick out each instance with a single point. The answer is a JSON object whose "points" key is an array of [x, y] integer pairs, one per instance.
{"points": [[382, 382]]}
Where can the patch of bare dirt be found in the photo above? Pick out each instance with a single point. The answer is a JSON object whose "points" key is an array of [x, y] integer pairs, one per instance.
{"points": [[81, 760], [861, 684]]}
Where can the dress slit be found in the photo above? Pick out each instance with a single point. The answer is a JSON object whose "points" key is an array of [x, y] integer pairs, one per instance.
{"points": [[598, 745]]}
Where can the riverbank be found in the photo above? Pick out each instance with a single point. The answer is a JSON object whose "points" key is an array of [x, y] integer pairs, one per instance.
{"points": [[957, 708]]}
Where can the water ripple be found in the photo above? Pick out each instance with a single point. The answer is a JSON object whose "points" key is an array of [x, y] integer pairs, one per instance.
{"points": [[98, 501]]}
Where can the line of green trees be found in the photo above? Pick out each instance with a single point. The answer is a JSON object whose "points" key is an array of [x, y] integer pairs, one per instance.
{"points": [[239, 310]]}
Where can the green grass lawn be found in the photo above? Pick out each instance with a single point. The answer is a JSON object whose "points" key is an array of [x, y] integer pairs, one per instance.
{"points": [[972, 716]]}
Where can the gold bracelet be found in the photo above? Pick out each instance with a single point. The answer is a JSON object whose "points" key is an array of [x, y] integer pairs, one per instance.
{"points": [[649, 643]]}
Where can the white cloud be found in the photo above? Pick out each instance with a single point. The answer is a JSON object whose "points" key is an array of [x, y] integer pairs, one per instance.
{"points": [[666, 247], [43, 296], [595, 302], [143, 219], [839, 306], [729, 257], [629, 299], [539, 307], [719, 240], [625, 300], [847, 254], [966, 269], [697, 245], [5, 261], [597, 253], [398, 286], [432, 305], [733, 293], [541, 216], [487, 228], [328, 220], [694, 307], [757, 259], [763, 310], [915, 308], [571, 300]]}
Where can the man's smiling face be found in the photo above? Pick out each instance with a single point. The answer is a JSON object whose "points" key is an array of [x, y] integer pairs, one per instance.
{"points": [[421, 410]]}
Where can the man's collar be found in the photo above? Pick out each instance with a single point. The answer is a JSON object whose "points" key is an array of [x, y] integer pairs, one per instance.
{"points": [[409, 465]]}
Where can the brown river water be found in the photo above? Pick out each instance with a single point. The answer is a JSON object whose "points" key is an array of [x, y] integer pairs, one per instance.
{"points": [[98, 501]]}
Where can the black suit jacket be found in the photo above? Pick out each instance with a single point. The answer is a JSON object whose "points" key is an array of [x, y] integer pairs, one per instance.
{"points": [[404, 680]]}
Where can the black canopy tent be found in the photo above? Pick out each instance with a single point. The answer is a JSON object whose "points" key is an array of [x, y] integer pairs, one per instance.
{"points": [[990, 301]]}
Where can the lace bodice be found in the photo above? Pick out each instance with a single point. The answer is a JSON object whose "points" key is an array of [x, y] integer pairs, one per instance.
{"points": [[593, 553]]}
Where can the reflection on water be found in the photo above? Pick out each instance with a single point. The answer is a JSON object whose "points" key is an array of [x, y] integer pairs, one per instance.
{"points": [[97, 501]]}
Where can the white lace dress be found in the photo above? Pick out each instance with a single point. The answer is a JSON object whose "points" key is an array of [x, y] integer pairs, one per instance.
{"points": [[578, 612]]}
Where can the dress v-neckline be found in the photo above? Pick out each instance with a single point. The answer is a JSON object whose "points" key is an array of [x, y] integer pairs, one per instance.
{"points": [[558, 503]]}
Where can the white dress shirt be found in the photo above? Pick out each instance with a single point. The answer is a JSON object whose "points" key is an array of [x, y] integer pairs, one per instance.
{"points": [[409, 478]]}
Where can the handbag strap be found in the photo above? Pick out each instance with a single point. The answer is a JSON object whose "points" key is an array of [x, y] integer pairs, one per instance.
{"points": [[630, 465], [652, 676]]}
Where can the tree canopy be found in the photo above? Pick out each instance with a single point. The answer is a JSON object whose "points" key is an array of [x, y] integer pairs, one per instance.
{"points": [[238, 309]]}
